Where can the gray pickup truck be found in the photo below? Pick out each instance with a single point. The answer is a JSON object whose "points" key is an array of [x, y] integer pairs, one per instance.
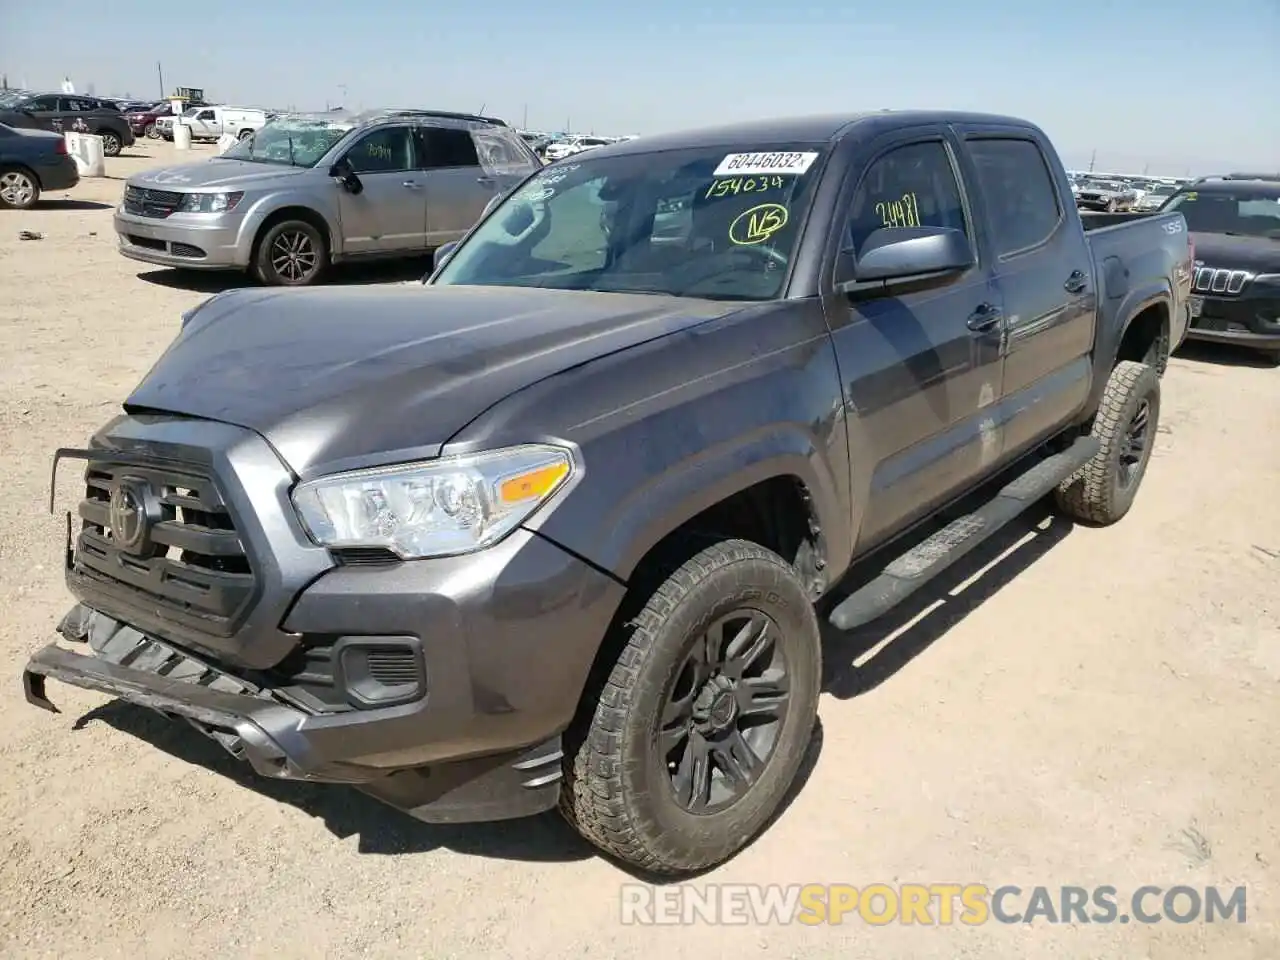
{"points": [[557, 528]]}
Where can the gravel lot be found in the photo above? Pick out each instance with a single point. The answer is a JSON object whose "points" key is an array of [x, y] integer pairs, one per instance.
{"points": [[1097, 707]]}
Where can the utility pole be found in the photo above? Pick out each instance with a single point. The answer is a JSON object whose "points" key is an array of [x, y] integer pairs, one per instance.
{"points": [[524, 120], [1092, 157], [160, 75]]}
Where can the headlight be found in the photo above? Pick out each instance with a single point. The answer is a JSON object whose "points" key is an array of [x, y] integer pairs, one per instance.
{"points": [[210, 202], [435, 508]]}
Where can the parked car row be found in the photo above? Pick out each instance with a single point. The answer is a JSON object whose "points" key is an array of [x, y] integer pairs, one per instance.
{"points": [[551, 147], [1115, 194], [67, 113]]}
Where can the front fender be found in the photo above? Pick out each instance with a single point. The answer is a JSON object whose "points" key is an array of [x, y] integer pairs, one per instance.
{"points": [[669, 428], [661, 504]]}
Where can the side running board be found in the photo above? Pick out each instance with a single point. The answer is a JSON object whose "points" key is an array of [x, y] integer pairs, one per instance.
{"points": [[911, 571]]}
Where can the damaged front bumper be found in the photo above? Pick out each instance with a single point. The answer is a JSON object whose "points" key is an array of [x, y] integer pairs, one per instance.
{"points": [[281, 740]]}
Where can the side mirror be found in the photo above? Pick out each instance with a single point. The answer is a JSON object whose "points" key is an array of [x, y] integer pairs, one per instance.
{"points": [[894, 253], [442, 254], [342, 172]]}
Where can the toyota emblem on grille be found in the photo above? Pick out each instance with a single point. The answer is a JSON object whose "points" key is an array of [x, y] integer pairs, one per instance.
{"points": [[130, 522]]}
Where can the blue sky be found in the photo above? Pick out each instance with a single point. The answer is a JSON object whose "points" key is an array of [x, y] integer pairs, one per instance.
{"points": [[1174, 84]]}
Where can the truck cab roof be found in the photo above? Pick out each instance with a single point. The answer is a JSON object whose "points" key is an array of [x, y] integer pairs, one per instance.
{"points": [[811, 128]]}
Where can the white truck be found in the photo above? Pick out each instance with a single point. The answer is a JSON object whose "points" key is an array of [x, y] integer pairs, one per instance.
{"points": [[210, 123]]}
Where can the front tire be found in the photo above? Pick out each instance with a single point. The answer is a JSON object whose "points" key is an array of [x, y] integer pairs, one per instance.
{"points": [[1103, 490], [152, 132], [111, 143], [292, 253], [19, 189], [702, 722]]}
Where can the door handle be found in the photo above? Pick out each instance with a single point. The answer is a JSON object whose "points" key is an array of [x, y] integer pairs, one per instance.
{"points": [[410, 184], [984, 318], [485, 180], [1077, 282]]}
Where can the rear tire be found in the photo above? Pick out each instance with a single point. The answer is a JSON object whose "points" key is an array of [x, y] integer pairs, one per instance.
{"points": [[111, 143], [19, 188], [291, 253], [244, 134], [1103, 490], [676, 710]]}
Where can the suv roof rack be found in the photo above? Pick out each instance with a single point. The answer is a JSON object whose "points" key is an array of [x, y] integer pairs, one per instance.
{"points": [[445, 114]]}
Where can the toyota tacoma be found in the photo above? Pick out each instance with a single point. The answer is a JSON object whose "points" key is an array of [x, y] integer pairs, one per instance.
{"points": [[556, 527]]}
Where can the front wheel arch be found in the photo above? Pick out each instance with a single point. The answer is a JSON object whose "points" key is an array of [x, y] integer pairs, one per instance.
{"points": [[285, 214]]}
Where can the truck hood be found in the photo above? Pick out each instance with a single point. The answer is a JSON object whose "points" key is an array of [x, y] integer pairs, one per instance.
{"points": [[1255, 254], [214, 172], [341, 378]]}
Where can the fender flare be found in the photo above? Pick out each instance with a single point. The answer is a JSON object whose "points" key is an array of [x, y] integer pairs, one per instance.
{"points": [[652, 511], [1130, 306]]}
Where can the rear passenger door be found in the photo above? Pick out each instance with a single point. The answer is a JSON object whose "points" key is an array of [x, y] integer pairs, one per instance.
{"points": [[457, 187], [1043, 270], [920, 360]]}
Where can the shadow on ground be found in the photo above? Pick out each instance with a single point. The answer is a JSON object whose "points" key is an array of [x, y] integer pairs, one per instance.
{"points": [[345, 811], [911, 628], [1226, 355], [53, 203], [216, 281], [380, 829]]}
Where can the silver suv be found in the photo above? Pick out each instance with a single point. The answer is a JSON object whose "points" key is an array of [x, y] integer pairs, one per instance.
{"points": [[308, 190]]}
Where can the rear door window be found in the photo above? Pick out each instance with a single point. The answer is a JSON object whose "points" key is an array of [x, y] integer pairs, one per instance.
{"points": [[447, 148], [1019, 192]]}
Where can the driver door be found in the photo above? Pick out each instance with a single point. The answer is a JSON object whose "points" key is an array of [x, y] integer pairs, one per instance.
{"points": [[921, 361], [205, 125], [389, 215]]}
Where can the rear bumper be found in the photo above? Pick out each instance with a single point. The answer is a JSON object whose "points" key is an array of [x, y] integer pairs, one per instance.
{"points": [[61, 175], [281, 741]]}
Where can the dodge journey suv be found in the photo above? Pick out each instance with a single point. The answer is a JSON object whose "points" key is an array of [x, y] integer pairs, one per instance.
{"points": [[308, 190]]}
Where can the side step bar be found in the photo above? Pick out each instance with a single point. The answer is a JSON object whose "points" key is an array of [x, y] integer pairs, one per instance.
{"points": [[911, 571]]}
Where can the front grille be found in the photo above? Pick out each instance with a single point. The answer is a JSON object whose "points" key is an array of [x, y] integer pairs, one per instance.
{"points": [[145, 202], [178, 550], [1220, 281], [186, 250]]}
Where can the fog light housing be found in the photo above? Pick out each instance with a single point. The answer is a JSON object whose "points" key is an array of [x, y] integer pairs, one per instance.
{"points": [[380, 671]]}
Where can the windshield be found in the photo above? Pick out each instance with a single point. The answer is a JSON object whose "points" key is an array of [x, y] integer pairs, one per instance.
{"points": [[719, 223], [191, 111], [1236, 214], [293, 141]]}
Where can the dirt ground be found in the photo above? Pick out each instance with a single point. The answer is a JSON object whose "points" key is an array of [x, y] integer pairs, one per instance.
{"points": [[1096, 707]]}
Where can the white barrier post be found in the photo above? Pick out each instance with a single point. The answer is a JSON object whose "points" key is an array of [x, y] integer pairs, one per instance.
{"points": [[86, 150], [181, 135], [226, 142]]}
